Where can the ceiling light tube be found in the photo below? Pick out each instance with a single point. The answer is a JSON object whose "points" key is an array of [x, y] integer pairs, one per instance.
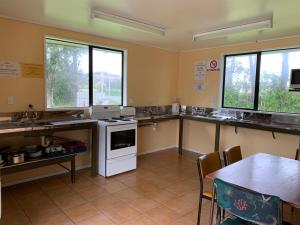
{"points": [[134, 24], [236, 29]]}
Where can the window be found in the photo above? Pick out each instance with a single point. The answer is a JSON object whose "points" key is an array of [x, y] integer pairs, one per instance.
{"points": [[107, 77], [240, 81], [260, 81], [67, 77], [80, 75]]}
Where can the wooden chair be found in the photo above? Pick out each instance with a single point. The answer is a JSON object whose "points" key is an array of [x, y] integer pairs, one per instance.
{"points": [[232, 155], [297, 157], [245, 206], [206, 165]]}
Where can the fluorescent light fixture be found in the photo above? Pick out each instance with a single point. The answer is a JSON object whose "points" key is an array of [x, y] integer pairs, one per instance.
{"points": [[235, 29], [134, 24]]}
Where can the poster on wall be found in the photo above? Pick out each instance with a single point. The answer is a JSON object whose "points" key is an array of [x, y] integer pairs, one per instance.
{"points": [[213, 65], [200, 70], [9, 68], [33, 70]]}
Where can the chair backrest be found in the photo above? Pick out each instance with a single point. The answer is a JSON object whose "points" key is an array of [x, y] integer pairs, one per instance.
{"points": [[297, 157], [248, 205], [209, 163], [232, 155]]}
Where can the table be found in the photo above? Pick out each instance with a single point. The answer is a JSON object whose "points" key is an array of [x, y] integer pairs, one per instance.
{"points": [[41, 130], [267, 174], [46, 161]]}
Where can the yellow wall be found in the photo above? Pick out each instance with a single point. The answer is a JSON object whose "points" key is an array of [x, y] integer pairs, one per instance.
{"points": [[200, 136], [152, 72], [152, 80], [155, 77]]}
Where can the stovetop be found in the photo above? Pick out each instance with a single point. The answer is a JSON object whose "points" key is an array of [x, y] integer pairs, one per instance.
{"points": [[116, 121]]}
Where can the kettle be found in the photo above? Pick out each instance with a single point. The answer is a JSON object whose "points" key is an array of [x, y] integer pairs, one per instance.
{"points": [[175, 108]]}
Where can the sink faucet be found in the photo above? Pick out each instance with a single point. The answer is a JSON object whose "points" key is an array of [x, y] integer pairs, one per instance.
{"points": [[24, 116]]}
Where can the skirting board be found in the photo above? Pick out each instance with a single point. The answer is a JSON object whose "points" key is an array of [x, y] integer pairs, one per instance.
{"points": [[42, 176], [168, 148], [158, 150], [193, 150]]}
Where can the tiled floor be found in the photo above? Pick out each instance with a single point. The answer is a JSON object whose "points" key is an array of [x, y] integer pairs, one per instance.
{"points": [[163, 190]]}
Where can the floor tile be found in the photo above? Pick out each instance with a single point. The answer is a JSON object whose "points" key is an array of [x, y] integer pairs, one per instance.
{"points": [[184, 204], [163, 215], [92, 192], [120, 212], [143, 204], [106, 201], [99, 219], [162, 195], [68, 200], [99, 180], [140, 220], [189, 219], [114, 186], [184, 186], [128, 194], [81, 212], [57, 219], [15, 218]]}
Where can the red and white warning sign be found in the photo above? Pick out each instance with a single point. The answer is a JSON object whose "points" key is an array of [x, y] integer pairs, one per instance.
{"points": [[213, 65]]}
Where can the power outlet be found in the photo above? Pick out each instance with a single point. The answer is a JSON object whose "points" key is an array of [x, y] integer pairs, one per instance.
{"points": [[10, 100], [212, 101]]}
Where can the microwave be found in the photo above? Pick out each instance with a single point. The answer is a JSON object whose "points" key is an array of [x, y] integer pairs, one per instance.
{"points": [[295, 79]]}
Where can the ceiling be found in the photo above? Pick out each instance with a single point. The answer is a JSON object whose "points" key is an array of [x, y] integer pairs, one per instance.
{"points": [[181, 18]]}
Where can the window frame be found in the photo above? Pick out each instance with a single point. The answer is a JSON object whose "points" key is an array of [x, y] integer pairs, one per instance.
{"points": [[90, 46], [257, 79]]}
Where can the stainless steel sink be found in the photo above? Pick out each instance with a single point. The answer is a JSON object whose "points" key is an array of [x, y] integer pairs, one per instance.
{"points": [[23, 124]]}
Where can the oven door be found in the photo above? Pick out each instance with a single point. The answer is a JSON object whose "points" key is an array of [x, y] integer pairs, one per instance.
{"points": [[121, 140]]}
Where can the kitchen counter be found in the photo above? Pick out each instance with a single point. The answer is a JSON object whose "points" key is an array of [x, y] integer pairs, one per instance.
{"points": [[48, 127], [156, 118], [8, 129], [218, 120], [252, 124]]}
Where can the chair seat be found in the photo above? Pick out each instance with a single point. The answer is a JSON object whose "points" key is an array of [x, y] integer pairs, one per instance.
{"points": [[207, 194], [236, 221]]}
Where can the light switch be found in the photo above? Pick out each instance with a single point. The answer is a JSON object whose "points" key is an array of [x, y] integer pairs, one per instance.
{"points": [[10, 100]]}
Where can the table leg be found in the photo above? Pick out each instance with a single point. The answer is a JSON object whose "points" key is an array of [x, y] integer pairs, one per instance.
{"points": [[180, 136], [73, 170]]}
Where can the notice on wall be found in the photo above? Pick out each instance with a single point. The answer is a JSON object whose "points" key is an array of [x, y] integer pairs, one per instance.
{"points": [[213, 65], [33, 70], [200, 70], [9, 68]]}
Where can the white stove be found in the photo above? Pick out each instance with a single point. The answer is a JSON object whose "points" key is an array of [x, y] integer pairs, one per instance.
{"points": [[117, 140], [116, 121]]}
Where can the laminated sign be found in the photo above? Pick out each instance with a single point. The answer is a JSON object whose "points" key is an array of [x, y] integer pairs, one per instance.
{"points": [[200, 70], [32, 70], [213, 65], [9, 68]]}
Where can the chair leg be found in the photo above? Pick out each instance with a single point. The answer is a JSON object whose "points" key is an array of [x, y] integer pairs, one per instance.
{"points": [[199, 209], [218, 215], [223, 214]]}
